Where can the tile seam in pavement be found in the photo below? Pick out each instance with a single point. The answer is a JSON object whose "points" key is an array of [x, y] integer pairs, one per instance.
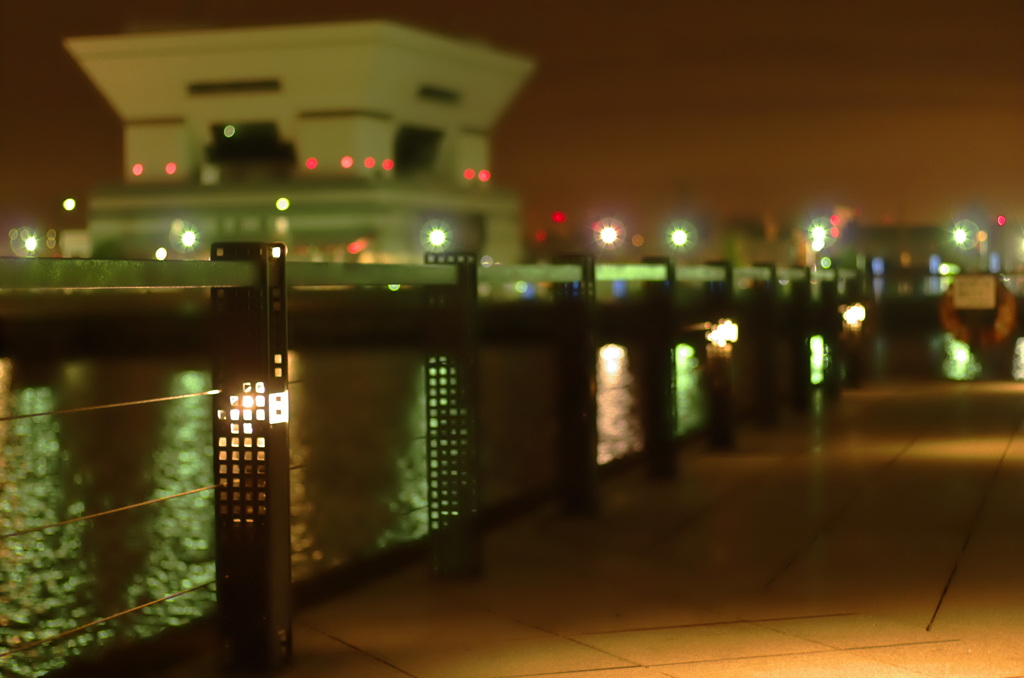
{"points": [[359, 649], [974, 522], [580, 642], [789, 654], [715, 623], [856, 495]]}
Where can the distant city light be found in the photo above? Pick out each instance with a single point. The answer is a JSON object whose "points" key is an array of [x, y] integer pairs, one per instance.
{"points": [[346, 162], [608, 232], [877, 265], [681, 234], [229, 131], [31, 243], [69, 204], [817, 245], [943, 269], [819, 358], [137, 169], [854, 315], [486, 260], [834, 231], [679, 237], [394, 288], [1001, 220], [189, 238], [959, 236], [388, 165], [468, 173], [724, 332], [609, 235], [357, 246], [161, 253], [170, 168], [834, 220], [521, 287], [818, 233], [311, 163], [558, 217], [541, 235], [966, 234], [369, 162], [826, 262], [436, 235], [484, 175], [282, 204], [637, 240]]}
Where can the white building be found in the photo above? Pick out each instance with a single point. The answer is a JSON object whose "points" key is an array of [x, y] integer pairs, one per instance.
{"points": [[368, 130]]}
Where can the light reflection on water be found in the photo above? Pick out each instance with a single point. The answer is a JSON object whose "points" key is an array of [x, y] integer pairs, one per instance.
{"points": [[960, 364], [690, 406], [618, 425]]}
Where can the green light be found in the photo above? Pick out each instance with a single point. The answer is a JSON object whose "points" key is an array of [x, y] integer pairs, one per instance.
{"points": [[818, 233], [69, 204], [188, 238], [826, 262], [229, 131], [679, 237], [959, 236], [943, 269], [960, 364], [437, 237], [31, 243], [819, 359], [521, 287], [394, 288]]}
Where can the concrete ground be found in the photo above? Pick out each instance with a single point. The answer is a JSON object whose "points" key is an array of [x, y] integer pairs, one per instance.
{"points": [[884, 537]]}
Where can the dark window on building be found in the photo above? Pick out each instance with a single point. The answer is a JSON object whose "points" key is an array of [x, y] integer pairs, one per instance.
{"points": [[416, 149], [249, 142], [439, 94], [234, 87]]}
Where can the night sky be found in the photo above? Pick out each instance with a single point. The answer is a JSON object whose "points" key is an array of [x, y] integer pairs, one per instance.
{"points": [[910, 112]]}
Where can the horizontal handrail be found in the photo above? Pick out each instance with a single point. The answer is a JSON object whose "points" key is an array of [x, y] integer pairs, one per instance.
{"points": [[752, 272], [315, 274], [552, 273], [90, 408], [700, 273], [651, 272], [101, 274]]}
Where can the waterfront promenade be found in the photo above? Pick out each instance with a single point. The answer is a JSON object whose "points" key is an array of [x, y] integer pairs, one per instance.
{"points": [[880, 535]]}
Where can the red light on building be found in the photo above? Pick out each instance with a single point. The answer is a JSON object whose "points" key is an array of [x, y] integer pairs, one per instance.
{"points": [[170, 168], [369, 162], [346, 162], [834, 220], [558, 217], [541, 235], [388, 165], [468, 173], [311, 163], [1001, 220], [483, 175], [137, 169], [834, 231], [357, 246]]}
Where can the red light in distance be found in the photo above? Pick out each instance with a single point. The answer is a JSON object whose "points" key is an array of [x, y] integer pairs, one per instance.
{"points": [[834, 231], [170, 168], [1001, 220], [357, 246], [137, 169], [346, 162], [388, 165], [468, 173], [834, 220], [369, 162], [541, 235], [311, 163], [558, 217], [483, 175]]}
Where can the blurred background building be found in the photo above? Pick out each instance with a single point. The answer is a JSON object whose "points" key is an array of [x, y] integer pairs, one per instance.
{"points": [[348, 141]]}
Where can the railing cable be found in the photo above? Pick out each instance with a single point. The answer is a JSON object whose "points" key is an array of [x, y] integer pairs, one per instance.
{"points": [[104, 513], [107, 407], [36, 643]]}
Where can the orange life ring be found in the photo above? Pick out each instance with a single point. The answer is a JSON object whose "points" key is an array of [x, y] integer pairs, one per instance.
{"points": [[985, 335]]}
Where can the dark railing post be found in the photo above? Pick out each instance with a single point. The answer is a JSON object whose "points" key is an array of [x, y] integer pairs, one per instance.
{"points": [[251, 461], [831, 326], [764, 329], [722, 414], [660, 372], [453, 457], [800, 336], [577, 403]]}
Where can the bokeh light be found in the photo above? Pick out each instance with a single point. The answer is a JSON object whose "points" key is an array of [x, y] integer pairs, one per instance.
{"points": [[137, 169], [468, 173], [965, 234], [69, 204], [346, 162], [484, 175], [369, 163], [229, 131], [608, 232], [388, 165], [161, 253], [558, 217], [436, 235], [282, 204], [311, 163], [170, 168]]}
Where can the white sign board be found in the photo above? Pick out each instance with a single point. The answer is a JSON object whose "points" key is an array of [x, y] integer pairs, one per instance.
{"points": [[974, 292]]}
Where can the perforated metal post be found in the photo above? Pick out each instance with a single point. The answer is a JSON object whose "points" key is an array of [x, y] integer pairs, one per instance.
{"points": [[721, 415], [660, 373], [453, 461], [800, 337], [250, 443], [831, 327], [577, 401], [764, 328]]}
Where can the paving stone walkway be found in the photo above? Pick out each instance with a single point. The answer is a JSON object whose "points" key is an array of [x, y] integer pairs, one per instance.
{"points": [[884, 537]]}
